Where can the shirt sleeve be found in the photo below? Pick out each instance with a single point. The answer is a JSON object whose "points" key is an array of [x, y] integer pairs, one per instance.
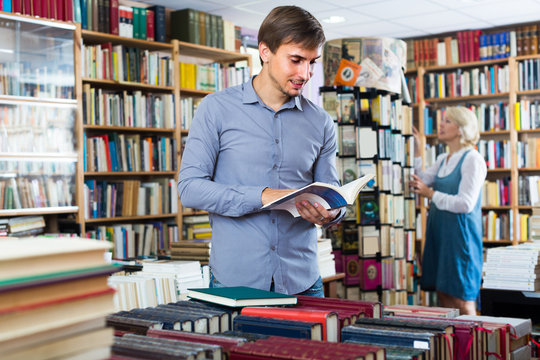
{"points": [[428, 175], [473, 175], [196, 187]]}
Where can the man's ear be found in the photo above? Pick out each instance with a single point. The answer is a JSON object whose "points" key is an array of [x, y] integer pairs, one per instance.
{"points": [[264, 52]]}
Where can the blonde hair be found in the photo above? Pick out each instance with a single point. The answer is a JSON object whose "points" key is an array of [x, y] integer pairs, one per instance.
{"points": [[467, 122]]}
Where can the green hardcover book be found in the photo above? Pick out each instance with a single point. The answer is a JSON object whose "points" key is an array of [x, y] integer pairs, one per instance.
{"points": [[220, 37], [136, 19], [185, 25], [142, 24], [236, 296], [208, 29]]}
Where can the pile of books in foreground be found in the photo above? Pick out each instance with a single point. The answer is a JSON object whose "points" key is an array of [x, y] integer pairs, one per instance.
{"points": [[244, 323], [514, 267], [54, 298]]}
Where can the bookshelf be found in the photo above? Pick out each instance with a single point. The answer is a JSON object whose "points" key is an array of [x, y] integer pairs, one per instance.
{"points": [[508, 136], [38, 103]]}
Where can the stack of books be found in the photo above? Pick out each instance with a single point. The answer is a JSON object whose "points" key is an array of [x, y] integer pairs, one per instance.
{"points": [[26, 225], [159, 282], [325, 258], [54, 298], [194, 249], [514, 267]]}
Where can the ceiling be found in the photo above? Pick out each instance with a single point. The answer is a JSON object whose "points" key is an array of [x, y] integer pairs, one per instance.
{"points": [[391, 18]]}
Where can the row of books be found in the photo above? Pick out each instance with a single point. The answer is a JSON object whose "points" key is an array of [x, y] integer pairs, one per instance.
{"points": [[528, 190], [372, 241], [528, 153], [51, 80], [37, 168], [56, 309], [378, 143], [527, 114], [106, 199], [28, 128], [497, 154], [159, 282], [121, 63], [192, 249], [514, 267], [128, 108], [212, 77], [347, 108], [528, 72], [119, 152], [132, 22], [28, 193], [473, 45], [491, 117], [137, 240], [189, 106], [492, 79], [497, 192], [496, 226], [199, 27]]}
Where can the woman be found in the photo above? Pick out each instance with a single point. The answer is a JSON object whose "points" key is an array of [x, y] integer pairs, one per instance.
{"points": [[452, 261]]}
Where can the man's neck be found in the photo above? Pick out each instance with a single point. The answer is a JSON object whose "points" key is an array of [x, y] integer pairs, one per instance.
{"points": [[269, 94]]}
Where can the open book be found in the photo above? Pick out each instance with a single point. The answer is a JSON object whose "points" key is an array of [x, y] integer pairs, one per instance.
{"points": [[329, 196]]}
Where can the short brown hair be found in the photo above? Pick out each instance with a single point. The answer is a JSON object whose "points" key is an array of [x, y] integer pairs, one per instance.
{"points": [[291, 24]]}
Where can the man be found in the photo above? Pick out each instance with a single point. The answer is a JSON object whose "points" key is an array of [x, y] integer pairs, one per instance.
{"points": [[251, 144]]}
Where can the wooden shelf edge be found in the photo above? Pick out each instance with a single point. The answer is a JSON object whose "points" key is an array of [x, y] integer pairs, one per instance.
{"points": [[100, 37], [468, 98], [127, 128], [128, 218], [128, 84], [39, 211]]}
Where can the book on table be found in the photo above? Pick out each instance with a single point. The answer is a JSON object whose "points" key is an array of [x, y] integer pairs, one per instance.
{"points": [[329, 196], [236, 296]]}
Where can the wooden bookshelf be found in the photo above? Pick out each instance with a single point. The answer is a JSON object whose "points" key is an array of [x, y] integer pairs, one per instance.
{"points": [[512, 135]]}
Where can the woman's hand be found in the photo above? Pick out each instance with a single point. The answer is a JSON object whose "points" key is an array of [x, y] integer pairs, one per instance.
{"points": [[418, 186]]}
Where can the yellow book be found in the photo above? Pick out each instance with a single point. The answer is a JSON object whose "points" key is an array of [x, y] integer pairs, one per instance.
{"points": [[523, 219], [517, 116]]}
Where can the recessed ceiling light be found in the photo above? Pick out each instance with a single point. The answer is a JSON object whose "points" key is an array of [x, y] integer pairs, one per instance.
{"points": [[334, 19]]}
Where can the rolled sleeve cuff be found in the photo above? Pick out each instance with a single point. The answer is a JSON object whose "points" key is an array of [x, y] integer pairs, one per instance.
{"points": [[252, 198], [436, 198]]}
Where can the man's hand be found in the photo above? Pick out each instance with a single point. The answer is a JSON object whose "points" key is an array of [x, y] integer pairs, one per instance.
{"points": [[316, 213], [268, 195]]}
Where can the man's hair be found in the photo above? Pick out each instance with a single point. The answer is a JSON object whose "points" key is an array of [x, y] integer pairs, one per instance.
{"points": [[291, 24]]}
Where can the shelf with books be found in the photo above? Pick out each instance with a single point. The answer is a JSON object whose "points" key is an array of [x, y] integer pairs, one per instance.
{"points": [[195, 92], [127, 85], [106, 128], [94, 37], [39, 104], [130, 218], [470, 64], [468, 98], [211, 53]]}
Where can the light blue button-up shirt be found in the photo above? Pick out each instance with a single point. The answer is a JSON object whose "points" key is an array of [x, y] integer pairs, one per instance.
{"points": [[238, 146]]}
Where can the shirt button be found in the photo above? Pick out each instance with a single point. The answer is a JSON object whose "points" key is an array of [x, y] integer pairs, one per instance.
{"points": [[273, 221], [273, 248], [274, 167], [277, 141]]}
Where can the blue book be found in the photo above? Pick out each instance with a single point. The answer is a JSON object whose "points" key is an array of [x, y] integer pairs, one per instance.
{"points": [[482, 41], [379, 336], [278, 327], [492, 85], [159, 23], [84, 14], [6, 6], [114, 158]]}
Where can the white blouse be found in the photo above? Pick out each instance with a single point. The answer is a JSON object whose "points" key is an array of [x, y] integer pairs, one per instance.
{"points": [[473, 174]]}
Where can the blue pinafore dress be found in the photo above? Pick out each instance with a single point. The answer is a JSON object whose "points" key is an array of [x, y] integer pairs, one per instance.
{"points": [[452, 260]]}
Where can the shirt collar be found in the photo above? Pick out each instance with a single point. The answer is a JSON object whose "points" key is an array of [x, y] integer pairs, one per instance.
{"points": [[250, 97]]}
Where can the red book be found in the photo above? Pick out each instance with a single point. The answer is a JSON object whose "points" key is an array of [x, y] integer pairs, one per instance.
{"points": [[36, 8], [27, 7], [60, 9], [328, 319], [16, 6], [345, 316], [470, 41], [461, 47], [114, 19], [476, 39], [352, 269], [369, 308], [45, 9], [68, 10], [370, 274], [107, 150], [150, 25]]}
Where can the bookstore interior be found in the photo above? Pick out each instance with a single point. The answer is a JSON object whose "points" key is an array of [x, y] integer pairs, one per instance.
{"points": [[100, 260]]}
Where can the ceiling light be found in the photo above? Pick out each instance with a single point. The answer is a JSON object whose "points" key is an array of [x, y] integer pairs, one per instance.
{"points": [[334, 19]]}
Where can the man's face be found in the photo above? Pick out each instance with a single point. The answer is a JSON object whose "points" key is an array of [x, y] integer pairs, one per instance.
{"points": [[290, 67]]}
